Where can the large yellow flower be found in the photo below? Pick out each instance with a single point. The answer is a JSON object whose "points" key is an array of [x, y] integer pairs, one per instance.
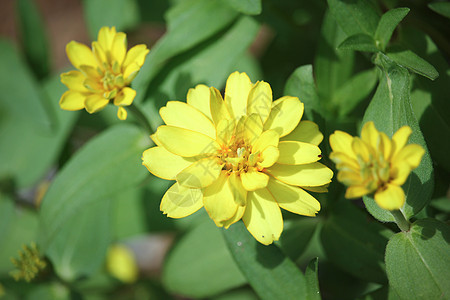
{"points": [[104, 74], [240, 157], [375, 164]]}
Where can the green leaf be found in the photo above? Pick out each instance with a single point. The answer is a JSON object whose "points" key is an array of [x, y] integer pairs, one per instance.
{"points": [[189, 23], [442, 8], [123, 14], [413, 62], [387, 25], [105, 166], [354, 243], [200, 264], [301, 84], [390, 109], [128, 213], [71, 251], [418, 261], [355, 17], [332, 67], [312, 281], [356, 89], [271, 274], [296, 236], [359, 42], [49, 290], [249, 7], [33, 37]]}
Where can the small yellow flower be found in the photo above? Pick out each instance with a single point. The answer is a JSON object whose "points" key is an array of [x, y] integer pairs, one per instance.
{"points": [[375, 164], [104, 73], [121, 263], [242, 157]]}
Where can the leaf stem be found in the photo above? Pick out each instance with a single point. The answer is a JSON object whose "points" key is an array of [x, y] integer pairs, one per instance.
{"points": [[137, 112], [401, 221]]}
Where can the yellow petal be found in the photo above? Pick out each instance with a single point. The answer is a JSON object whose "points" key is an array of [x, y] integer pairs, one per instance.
{"points": [[356, 192], [122, 113], [182, 115], [314, 174], [253, 180], [370, 135], [218, 200], [119, 47], [219, 110], [350, 178], [180, 202], [95, 102], [341, 141], [411, 154], [400, 138], [72, 101], [285, 115], [386, 146], [184, 142], [390, 198], [163, 163], [80, 54], [200, 174], [317, 189], [260, 100], [136, 55], [224, 131], [361, 149], [307, 132], [99, 53], [343, 161], [130, 72], [106, 37], [125, 97], [121, 263], [266, 139], [269, 156], [236, 94], [198, 97], [262, 217], [74, 80], [399, 173], [238, 190], [298, 153], [237, 216], [293, 199], [253, 128]]}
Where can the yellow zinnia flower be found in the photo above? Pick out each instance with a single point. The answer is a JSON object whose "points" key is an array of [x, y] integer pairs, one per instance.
{"points": [[375, 164], [104, 75], [240, 157]]}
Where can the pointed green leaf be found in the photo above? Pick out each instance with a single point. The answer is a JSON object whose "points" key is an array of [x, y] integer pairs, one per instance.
{"points": [[312, 280], [387, 25], [271, 274], [390, 109], [442, 8], [249, 7], [200, 264], [359, 42], [418, 261], [413, 62]]}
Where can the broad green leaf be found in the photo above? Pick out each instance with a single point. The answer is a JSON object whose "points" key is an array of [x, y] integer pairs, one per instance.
{"points": [[270, 273], [27, 152], [71, 251], [356, 89], [332, 67], [312, 281], [390, 109], [418, 261], [128, 213], [240, 294], [354, 243], [301, 84], [209, 64], [249, 7], [355, 17], [200, 264], [296, 236], [21, 96], [54, 290], [123, 14], [413, 62], [108, 164], [33, 37], [442, 8], [189, 23], [387, 25], [249, 64], [359, 42]]}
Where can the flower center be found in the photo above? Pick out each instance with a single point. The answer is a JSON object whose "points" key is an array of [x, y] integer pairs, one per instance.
{"points": [[375, 171], [237, 156]]}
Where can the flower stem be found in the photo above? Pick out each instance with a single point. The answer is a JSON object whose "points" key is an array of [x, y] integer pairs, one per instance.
{"points": [[141, 117], [401, 221]]}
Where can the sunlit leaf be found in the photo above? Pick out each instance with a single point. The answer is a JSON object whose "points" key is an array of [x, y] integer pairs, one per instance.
{"points": [[359, 42]]}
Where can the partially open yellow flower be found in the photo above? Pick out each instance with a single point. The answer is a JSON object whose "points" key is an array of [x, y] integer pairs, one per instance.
{"points": [[104, 73], [240, 157], [375, 164]]}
